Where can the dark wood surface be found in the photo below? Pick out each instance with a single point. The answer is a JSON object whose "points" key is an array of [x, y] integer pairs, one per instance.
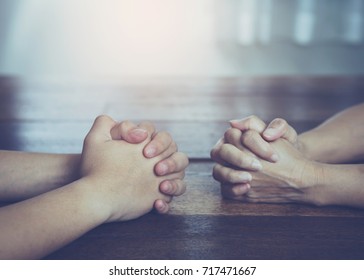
{"points": [[54, 117]]}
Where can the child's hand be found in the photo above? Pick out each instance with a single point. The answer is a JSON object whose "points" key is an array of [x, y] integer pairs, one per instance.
{"points": [[119, 179], [161, 145]]}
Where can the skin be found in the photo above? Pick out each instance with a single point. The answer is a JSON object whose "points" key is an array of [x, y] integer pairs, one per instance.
{"points": [[260, 163], [63, 169], [162, 142], [116, 183]]}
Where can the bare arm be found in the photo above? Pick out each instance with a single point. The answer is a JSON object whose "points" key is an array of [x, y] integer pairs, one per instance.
{"points": [[24, 175], [293, 178], [262, 172], [33, 228], [337, 140], [117, 184]]}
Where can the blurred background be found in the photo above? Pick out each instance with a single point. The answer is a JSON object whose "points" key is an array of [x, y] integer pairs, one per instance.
{"points": [[187, 65], [110, 39]]}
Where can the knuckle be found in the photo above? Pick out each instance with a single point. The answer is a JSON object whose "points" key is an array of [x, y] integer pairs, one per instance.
{"points": [[251, 119], [168, 200], [214, 153], [242, 161], [248, 137], [230, 175], [228, 133], [225, 149], [147, 123], [124, 125], [167, 135], [184, 161], [172, 164], [231, 134], [102, 118], [159, 146], [174, 186], [215, 172], [174, 146]]}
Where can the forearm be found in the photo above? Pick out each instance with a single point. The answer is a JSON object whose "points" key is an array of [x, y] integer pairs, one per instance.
{"points": [[38, 226], [337, 185], [24, 175], [337, 140]]}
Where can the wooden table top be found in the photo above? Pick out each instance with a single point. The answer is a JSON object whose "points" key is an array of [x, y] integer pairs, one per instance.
{"points": [[54, 117]]}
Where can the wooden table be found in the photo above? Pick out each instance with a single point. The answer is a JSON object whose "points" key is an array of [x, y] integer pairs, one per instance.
{"points": [[54, 117]]}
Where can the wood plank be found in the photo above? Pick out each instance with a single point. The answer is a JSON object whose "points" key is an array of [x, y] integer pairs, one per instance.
{"points": [[50, 117], [202, 225], [203, 198], [194, 138], [182, 100], [221, 237]]}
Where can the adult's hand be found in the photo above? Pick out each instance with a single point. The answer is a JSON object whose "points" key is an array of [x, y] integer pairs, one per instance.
{"points": [[277, 128]]}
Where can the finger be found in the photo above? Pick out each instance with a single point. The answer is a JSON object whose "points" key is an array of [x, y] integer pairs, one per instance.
{"points": [[161, 206], [259, 197], [170, 151], [215, 151], [228, 175], [175, 187], [239, 158], [175, 163], [253, 141], [251, 122], [129, 132], [101, 128], [233, 137], [175, 176], [235, 191], [161, 141], [279, 128]]}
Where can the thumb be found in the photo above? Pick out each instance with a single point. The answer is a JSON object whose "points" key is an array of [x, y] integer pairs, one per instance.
{"points": [[249, 123], [100, 130], [129, 132], [279, 128]]}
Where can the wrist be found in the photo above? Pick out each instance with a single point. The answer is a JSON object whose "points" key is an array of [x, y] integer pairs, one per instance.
{"points": [[71, 163], [303, 146], [314, 178], [93, 199]]}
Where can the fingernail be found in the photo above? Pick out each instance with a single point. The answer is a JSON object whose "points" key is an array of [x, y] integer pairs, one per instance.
{"points": [[244, 188], [150, 151], [162, 168], [256, 164], [139, 132], [245, 176], [167, 187], [274, 158], [270, 132]]}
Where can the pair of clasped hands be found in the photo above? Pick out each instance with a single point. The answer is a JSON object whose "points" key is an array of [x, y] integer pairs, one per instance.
{"points": [[249, 167]]}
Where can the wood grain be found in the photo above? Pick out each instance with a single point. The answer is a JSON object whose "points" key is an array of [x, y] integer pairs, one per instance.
{"points": [[221, 237], [51, 117]]}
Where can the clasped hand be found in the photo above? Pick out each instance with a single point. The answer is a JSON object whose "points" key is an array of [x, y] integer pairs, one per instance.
{"points": [[129, 162], [256, 162]]}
